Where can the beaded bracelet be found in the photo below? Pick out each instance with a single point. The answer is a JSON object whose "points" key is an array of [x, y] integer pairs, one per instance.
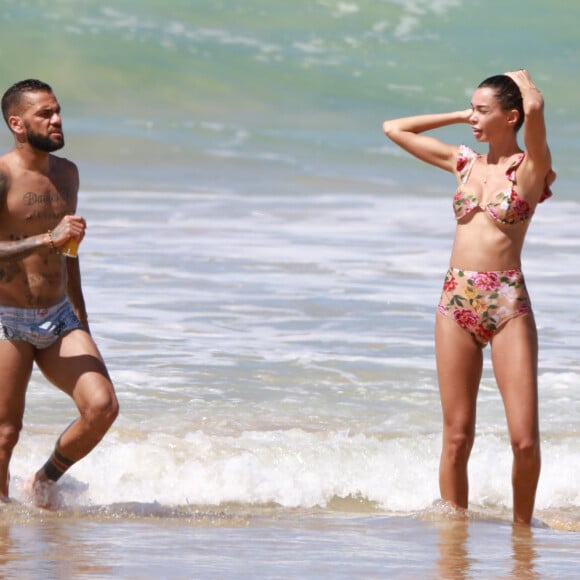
{"points": [[50, 240]]}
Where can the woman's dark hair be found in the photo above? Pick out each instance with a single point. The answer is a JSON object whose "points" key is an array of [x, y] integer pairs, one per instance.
{"points": [[507, 93]]}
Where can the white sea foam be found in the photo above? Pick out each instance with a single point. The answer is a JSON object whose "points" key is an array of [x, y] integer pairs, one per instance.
{"points": [[295, 468]]}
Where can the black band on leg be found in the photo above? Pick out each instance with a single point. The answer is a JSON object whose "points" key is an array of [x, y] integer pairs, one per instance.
{"points": [[56, 465]]}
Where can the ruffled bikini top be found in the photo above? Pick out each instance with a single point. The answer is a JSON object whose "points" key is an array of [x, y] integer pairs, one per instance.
{"points": [[507, 208]]}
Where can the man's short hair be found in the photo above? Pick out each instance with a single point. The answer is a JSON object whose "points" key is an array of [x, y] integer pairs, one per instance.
{"points": [[13, 96]]}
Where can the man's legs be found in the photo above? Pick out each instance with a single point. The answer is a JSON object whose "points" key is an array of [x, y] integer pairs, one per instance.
{"points": [[16, 360], [75, 366]]}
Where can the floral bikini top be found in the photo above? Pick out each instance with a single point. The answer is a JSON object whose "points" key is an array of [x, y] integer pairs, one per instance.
{"points": [[508, 208]]}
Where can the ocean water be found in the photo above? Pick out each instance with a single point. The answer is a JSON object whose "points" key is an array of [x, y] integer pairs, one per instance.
{"points": [[261, 270]]}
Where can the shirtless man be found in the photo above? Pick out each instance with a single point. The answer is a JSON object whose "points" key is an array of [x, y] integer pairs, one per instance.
{"points": [[43, 319]]}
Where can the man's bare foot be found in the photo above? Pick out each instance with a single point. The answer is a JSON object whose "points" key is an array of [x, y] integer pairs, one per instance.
{"points": [[42, 493]]}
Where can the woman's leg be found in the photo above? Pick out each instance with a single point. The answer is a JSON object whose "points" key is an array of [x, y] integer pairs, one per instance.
{"points": [[459, 367], [515, 363]]}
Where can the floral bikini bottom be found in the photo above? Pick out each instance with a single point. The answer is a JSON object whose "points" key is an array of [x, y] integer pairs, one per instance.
{"points": [[482, 302]]}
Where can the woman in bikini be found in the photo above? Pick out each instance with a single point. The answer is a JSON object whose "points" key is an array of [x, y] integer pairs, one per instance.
{"points": [[484, 296]]}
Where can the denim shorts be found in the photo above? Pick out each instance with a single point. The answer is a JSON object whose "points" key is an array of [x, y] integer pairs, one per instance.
{"points": [[41, 327]]}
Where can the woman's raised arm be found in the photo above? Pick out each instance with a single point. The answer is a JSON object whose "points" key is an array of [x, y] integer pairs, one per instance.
{"points": [[535, 139], [406, 132]]}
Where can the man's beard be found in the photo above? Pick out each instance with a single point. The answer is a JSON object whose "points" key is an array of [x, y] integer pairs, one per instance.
{"points": [[43, 143]]}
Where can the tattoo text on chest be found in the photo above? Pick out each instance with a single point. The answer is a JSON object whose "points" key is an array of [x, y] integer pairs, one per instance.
{"points": [[51, 205], [49, 198]]}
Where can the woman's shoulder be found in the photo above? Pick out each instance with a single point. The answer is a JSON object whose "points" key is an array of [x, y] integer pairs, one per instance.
{"points": [[465, 156], [468, 152]]}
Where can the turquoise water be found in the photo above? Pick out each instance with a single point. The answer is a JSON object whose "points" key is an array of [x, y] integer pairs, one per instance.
{"points": [[252, 95], [261, 271]]}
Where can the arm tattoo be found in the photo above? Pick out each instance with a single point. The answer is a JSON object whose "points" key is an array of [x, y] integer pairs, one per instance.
{"points": [[3, 188]]}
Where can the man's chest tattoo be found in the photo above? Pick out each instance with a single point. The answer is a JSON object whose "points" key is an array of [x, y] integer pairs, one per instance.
{"points": [[50, 205]]}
